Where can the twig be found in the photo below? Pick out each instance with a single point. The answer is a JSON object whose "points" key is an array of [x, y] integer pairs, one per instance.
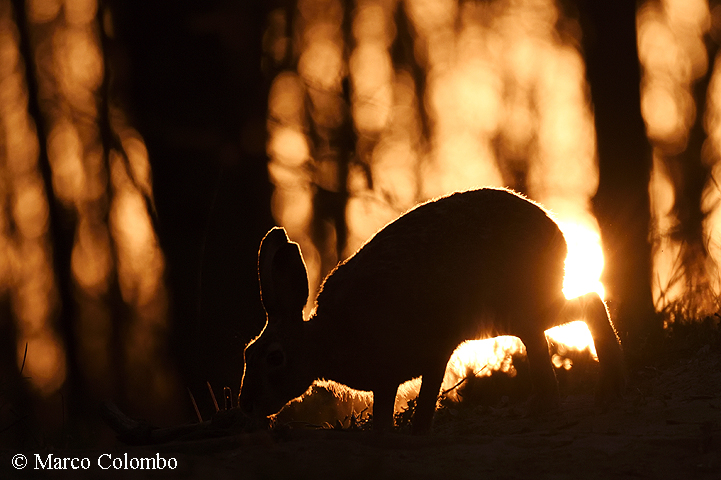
{"points": [[212, 395], [25, 356], [474, 374], [195, 406], [136, 432]]}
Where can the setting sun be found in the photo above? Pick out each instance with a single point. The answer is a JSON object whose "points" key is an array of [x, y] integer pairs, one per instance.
{"points": [[584, 263]]}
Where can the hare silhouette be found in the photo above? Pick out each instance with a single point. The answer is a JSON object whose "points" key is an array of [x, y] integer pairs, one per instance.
{"points": [[469, 265]]}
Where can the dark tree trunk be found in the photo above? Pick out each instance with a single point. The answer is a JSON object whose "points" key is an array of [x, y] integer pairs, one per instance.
{"points": [[339, 143], [193, 74], [622, 202]]}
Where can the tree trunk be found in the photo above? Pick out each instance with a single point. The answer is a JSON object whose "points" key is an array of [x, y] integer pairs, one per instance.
{"points": [[622, 201], [689, 174]]}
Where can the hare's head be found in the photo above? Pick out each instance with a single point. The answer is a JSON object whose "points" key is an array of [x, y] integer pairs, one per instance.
{"points": [[276, 362]]}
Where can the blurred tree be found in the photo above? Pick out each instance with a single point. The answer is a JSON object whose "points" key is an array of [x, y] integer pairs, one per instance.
{"points": [[689, 162], [621, 203]]}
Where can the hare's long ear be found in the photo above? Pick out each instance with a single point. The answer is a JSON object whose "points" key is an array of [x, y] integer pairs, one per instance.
{"points": [[282, 274]]}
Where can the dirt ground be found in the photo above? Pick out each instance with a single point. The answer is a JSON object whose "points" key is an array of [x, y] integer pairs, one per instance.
{"points": [[667, 426]]}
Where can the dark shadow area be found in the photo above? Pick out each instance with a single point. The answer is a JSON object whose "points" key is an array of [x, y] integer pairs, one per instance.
{"points": [[194, 88]]}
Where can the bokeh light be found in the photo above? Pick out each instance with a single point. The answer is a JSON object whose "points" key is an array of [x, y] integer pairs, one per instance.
{"points": [[101, 196], [672, 36]]}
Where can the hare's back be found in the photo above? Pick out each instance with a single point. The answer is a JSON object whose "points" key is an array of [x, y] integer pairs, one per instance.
{"points": [[492, 224], [490, 239]]}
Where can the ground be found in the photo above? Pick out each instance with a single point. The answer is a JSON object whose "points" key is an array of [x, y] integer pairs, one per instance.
{"points": [[667, 426]]}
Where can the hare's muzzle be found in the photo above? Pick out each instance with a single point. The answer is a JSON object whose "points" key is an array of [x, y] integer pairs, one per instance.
{"points": [[253, 406]]}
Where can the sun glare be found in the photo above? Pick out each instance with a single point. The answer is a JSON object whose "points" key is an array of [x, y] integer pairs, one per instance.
{"points": [[482, 358], [573, 336], [584, 263]]}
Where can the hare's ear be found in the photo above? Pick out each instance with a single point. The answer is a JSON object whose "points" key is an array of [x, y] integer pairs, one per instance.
{"points": [[282, 274]]}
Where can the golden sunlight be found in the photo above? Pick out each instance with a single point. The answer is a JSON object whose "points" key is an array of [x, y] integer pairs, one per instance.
{"points": [[584, 263], [573, 336], [482, 358], [45, 363]]}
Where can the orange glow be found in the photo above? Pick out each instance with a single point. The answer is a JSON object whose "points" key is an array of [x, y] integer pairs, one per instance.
{"points": [[671, 61], [30, 208], [321, 62], [140, 268], [285, 105], [41, 11], [372, 23], [91, 259], [434, 22], [482, 357], [140, 263], [65, 152], [80, 12], [712, 193], [138, 161], [584, 263], [371, 70], [666, 252], [45, 363], [574, 335], [289, 146], [33, 298], [78, 60], [68, 65]]}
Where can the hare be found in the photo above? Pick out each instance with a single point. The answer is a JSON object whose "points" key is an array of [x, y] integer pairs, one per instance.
{"points": [[470, 265]]}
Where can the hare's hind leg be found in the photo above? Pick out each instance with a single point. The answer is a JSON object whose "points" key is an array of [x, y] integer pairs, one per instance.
{"points": [[383, 402], [592, 310], [428, 398], [543, 377]]}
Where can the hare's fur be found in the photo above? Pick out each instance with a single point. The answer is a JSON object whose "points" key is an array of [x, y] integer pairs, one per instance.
{"points": [[469, 265]]}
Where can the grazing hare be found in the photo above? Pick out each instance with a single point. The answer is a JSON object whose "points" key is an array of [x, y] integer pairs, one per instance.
{"points": [[469, 265]]}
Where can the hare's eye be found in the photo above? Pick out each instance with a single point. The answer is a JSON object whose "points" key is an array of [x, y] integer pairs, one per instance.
{"points": [[275, 358]]}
